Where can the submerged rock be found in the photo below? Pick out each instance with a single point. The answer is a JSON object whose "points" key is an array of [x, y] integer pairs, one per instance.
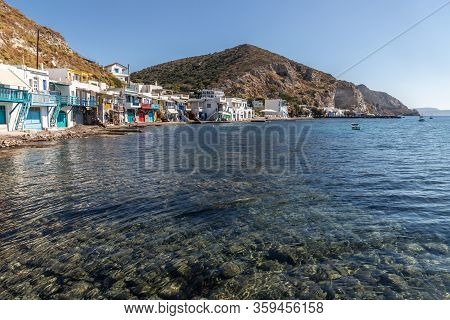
{"points": [[283, 255], [170, 291], [439, 248], [230, 270], [394, 281], [271, 265]]}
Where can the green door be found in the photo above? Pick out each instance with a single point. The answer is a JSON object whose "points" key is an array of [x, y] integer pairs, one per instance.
{"points": [[33, 120], [2, 115], [62, 120]]}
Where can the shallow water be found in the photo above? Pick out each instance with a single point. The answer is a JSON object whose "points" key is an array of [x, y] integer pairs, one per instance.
{"points": [[356, 215]]}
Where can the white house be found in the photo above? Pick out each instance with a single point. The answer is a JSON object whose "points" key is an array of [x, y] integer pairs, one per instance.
{"points": [[210, 105], [239, 109], [43, 104], [275, 108], [14, 99], [332, 112], [119, 71]]}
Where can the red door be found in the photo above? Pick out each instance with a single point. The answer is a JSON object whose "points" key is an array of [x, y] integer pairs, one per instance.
{"points": [[141, 117]]}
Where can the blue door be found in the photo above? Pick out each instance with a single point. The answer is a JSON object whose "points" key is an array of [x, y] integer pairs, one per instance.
{"points": [[33, 120], [2, 115], [150, 117], [62, 120]]}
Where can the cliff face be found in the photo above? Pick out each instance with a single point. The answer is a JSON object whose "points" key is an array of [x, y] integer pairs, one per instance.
{"points": [[384, 103], [249, 72], [18, 38], [349, 97]]}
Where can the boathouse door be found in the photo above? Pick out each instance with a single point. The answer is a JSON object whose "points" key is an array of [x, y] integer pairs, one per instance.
{"points": [[33, 120], [130, 116], [62, 120], [151, 117], [2, 115]]}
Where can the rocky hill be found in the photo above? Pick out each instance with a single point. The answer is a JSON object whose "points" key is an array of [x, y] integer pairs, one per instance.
{"points": [[250, 72], [385, 103], [18, 37]]}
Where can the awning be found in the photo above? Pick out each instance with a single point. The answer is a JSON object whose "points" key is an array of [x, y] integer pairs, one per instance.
{"points": [[9, 78], [172, 111]]}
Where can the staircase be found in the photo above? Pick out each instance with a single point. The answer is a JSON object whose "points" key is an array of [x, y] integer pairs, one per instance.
{"points": [[23, 113], [213, 117], [54, 118], [183, 116]]}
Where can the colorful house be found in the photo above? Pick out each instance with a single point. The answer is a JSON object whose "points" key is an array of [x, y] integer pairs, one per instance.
{"points": [[42, 103], [147, 112], [78, 94]]}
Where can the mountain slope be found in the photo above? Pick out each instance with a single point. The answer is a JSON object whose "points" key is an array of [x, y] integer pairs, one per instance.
{"points": [[250, 72], [383, 102], [245, 71], [18, 37]]}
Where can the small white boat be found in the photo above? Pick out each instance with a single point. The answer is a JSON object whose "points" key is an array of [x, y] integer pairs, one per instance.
{"points": [[421, 119], [356, 126]]}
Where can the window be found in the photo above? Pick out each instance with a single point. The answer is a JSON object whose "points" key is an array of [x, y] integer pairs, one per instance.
{"points": [[35, 84], [44, 85], [116, 70], [208, 105]]}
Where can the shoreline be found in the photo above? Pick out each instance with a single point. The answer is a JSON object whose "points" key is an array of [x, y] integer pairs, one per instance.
{"points": [[12, 140]]}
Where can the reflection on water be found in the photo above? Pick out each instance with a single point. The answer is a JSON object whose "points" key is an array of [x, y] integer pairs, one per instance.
{"points": [[370, 220]]}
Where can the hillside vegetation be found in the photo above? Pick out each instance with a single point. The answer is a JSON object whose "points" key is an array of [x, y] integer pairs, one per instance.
{"points": [[248, 72], [18, 38]]}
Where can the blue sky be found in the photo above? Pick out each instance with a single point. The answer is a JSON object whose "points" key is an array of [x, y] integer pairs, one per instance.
{"points": [[327, 35]]}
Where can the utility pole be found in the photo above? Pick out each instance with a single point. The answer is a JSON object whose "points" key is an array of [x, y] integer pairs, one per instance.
{"points": [[37, 48], [128, 69]]}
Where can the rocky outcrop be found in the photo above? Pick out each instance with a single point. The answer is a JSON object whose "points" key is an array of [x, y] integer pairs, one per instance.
{"points": [[384, 103], [349, 97]]}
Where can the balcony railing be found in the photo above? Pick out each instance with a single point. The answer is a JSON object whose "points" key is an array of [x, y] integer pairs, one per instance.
{"points": [[47, 100], [134, 104], [132, 87], [69, 101], [146, 106], [13, 95], [88, 102]]}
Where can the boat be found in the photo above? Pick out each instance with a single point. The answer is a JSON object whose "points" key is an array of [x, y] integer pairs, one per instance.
{"points": [[356, 126], [431, 117], [421, 119]]}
